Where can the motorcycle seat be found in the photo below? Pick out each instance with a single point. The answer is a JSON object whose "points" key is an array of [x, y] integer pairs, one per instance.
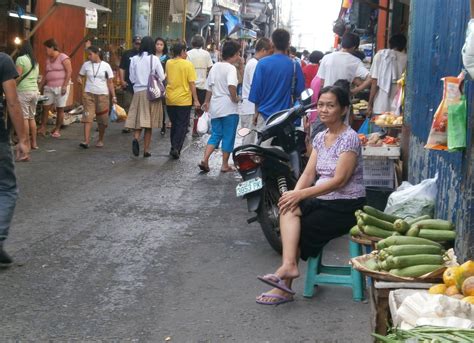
{"points": [[278, 153]]}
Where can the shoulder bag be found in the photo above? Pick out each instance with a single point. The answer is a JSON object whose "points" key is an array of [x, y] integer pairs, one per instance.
{"points": [[155, 89]]}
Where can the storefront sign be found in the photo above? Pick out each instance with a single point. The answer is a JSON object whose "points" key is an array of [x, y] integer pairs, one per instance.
{"points": [[207, 7], [228, 4], [91, 18]]}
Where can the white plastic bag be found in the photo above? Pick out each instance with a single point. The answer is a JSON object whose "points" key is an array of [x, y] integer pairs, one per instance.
{"points": [[113, 115], [468, 49], [204, 123], [411, 201]]}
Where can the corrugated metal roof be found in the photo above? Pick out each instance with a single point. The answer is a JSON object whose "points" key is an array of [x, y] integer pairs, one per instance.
{"points": [[83, 4]]}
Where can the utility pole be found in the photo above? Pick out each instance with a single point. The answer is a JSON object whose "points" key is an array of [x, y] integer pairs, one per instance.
{"points": [[185, 9]]}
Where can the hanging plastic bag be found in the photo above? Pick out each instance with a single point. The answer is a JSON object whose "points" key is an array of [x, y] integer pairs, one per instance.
{"points": [[438, 138], [411, 201], [457, 125], [113, 115], [121, 113], [204, 123], [364, 128]]}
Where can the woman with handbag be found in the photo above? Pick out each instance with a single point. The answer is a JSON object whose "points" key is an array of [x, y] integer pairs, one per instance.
{"points": [[95, 99], [27, 88], [145, 114]]}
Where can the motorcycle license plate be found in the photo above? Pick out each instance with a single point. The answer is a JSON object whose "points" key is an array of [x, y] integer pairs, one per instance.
{"points": [[249, 186]]}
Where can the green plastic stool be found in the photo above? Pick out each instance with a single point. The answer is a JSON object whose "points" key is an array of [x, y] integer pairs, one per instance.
{"points": [[318, 274]]}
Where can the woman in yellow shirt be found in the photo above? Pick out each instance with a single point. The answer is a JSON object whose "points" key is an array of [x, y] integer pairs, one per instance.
{"points": [[180, 92]]}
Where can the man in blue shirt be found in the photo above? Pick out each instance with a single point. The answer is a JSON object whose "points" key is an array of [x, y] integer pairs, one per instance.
{"points": [[277, 80]]}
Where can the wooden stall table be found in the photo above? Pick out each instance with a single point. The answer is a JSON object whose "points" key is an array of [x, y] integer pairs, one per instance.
{"points": [[379, 301]]}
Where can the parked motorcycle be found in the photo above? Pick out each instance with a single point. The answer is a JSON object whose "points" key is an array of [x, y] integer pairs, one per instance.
{"points": [[268, 172]]}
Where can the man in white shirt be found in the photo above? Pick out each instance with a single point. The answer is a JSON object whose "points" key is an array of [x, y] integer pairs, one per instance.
{"points": [[387, 68], [263, 48], [201, 59], [342, 65]]}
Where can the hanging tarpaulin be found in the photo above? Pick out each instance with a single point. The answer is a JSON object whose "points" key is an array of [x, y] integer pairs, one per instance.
{"points": [[232, 23], [91, 18]]}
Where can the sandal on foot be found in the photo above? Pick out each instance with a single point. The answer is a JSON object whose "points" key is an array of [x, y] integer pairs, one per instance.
{"points": [[99, 145], [55, 134], [146, 154], [275, 281], [205, 168], [84, 145], [228, 170], [276, 299], [135, 147]]}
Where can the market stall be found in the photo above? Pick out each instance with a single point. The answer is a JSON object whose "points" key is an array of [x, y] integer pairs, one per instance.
{"points": [[416, 279]]}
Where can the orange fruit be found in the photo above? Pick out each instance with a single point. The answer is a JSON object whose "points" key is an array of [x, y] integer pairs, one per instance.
{"points": [[466, 270], [438, 289], [469, 299], [451, 290], [468, 287], [451, 275]]}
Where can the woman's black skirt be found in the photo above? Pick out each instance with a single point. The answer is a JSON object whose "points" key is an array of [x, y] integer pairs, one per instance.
{"points": [[324, 220]]}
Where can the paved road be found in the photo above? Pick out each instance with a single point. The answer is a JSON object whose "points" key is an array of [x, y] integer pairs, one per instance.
{"points": [[117, 248]]}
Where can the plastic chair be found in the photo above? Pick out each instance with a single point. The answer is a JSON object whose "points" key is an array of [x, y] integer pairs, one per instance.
{"points": [[319, 274]]}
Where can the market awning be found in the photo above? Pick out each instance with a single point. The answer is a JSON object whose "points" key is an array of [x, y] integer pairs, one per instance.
{"points": [[83, 4]]}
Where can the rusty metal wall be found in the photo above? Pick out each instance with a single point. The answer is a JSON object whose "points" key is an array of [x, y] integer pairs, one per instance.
{"points": [[436, 35]]}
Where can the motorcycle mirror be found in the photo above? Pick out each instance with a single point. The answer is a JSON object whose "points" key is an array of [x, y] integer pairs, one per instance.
{"points": [[244, 132], [307, 94]]}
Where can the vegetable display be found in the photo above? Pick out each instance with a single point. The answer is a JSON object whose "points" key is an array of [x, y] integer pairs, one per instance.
{"points": [[378, 224], [428, 334]]}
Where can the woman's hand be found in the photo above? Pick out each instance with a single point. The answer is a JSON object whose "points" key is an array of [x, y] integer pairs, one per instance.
{"points": [[289, 201], [205, 107], [63, 90], [114, 99], [196, 103]]}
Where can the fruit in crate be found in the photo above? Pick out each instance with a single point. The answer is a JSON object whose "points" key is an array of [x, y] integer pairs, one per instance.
{"points": [[374, 140], [468, 287], [451, 275], [387, 119], [361, 105], [469, 299], [363, 139], [438, 289]]}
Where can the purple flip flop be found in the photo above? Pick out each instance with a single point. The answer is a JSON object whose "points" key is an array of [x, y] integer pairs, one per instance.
{"points": [[280, 299], [277, 282]]}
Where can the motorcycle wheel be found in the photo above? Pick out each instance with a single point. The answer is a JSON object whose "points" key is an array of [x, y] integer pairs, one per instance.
{"points": [[269, 218]]}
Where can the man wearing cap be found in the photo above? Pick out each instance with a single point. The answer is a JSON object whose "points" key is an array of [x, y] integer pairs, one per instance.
{"points": [[124, 74]]}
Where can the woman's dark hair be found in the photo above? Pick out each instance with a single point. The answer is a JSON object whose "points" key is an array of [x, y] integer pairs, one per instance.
{"points": [[316, 56], [197, 41], [281, 39], [96, 50], [165, 46], [178, 48], [26, 49], [341, 89], [147, 45], [229, 49], [51, 43]]}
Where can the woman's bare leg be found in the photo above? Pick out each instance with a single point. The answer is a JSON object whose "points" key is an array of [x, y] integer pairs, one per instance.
{"points": [[32, 127], [27, 130], [147, 140], [59, 119], [290, 229]]}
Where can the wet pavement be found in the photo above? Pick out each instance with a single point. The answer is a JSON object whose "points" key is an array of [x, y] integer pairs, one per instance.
{"points": [[116, 248]]}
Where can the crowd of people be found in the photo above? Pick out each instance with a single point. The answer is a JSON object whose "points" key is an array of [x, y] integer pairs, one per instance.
{"points": [[321, 206]]}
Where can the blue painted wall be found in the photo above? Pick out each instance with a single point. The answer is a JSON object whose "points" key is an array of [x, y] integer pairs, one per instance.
{"points": [[436, 36]]}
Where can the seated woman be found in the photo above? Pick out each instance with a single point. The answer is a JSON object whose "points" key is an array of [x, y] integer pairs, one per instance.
{"points": [[314, 213]]}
